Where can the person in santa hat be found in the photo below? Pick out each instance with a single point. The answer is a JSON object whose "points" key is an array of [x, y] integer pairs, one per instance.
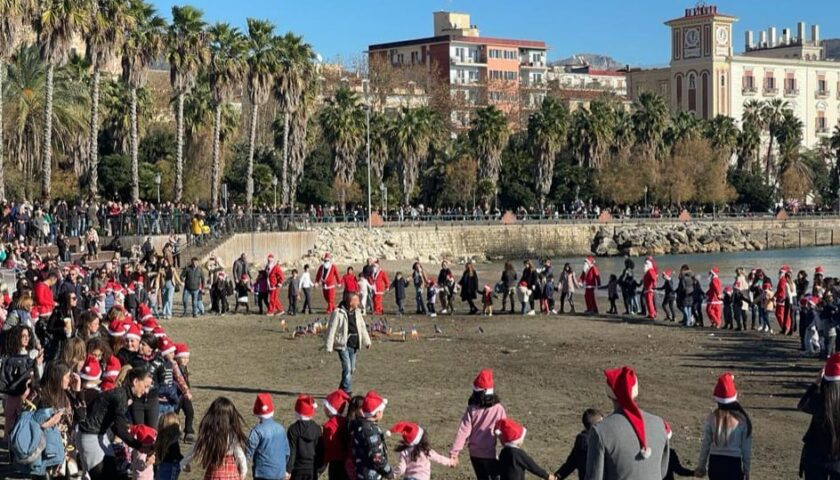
{"points": [[629, 443], [590, 278], [669, 299], [275, 278], [476, 428], [649, 287], [714, 299], [305, 446], [182, 359], [327, 277], [726, 449], [110, 373], [379, 281], [416, 453], [221, 288], [784, 294], [513, 460], [91, 375], [143, 464], [820, 458], [818, 288], [268, 445], [369, 451], [335, 436]]}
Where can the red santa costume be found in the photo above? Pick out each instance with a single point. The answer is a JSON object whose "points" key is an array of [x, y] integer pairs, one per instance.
{"points": [[714, 304], [380, 283], [782, 299], [590, 279], [328, 277], [649, 287], [275, 277]]}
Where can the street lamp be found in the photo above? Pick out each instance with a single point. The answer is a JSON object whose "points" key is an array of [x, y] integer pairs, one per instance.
{"points": [[157, 186], [274, 186], [383, 202], [646, 191], [366, 90]]}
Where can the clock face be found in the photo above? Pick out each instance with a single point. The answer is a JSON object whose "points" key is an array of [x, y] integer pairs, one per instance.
{"points": [[692, 38], [722, 35]]}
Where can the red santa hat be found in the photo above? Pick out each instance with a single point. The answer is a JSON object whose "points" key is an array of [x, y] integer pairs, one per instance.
{"points": [[305, 406], [144, 312], [181, 350], [727, 289], [767, 284], [831, 371], [373, 404], [667, 273], [263, 406], [116, 328], [784, 270], [725, 391], [91, 371], [819, 270], [149, 324], [411, 433], [523, 283], [222, 275], [590, 260], [336, 401], [166, 346], [327, 256], [112, 367], [509, 431], [624, 388], [143, 434], [715, 271], [270, 257], [484, 382], [133, 332], [159, 332]]}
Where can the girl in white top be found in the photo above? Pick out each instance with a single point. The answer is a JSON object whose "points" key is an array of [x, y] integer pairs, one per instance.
{"points": [[305, 285], [726, 449], [219, 446]]}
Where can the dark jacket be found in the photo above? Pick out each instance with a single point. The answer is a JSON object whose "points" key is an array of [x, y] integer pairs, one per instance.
{"points": [[817, 440], [369, 450], [469, 286], [675, 468], [399, 285], [514, 462], [509, 278], [668, 289], [576, 459], [107, 412], [193, 278], [306, 450]]}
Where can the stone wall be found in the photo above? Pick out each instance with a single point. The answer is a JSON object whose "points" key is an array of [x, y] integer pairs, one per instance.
{"points": [[431, 243]]}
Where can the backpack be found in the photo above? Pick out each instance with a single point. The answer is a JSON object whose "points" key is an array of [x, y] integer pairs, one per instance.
{"points": [[15, 372], [27, 440]]}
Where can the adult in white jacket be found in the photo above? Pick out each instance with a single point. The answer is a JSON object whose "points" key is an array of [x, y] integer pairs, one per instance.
{"points": [[346, 334]]}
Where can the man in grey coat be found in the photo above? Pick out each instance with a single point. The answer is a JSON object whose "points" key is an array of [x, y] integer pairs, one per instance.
{"points": [[630, 444]]}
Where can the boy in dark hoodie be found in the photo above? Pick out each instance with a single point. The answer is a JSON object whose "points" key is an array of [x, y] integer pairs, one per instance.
{"points": [[697, 303], [306, 450], [674, 466], [513, 460], [367, 441], [577, 457], [398, 285]]}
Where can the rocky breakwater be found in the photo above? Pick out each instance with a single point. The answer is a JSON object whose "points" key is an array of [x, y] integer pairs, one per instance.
{"points": [[637, 240], [355, 245]]}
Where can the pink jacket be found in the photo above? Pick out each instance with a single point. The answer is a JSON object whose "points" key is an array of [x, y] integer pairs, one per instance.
{"points": [[477, 427], [420, 469], [140, 470]]}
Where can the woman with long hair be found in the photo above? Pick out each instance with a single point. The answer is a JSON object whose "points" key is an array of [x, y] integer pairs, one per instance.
{"points": [[19, 314], [726, 449], [469, 287], [821, 449], [61, 325], [19, 350], [219, 447], [477, 425], [509, 284]]}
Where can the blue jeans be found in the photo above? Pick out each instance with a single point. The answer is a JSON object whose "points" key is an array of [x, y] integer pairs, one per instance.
{"points": [[348, 366], [194, 298], [687, 321], [418, 297], [168, 298], [167, 471]]}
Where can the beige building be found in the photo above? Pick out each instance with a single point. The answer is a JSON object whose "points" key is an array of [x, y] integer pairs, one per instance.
{"points": [[706, 76]]}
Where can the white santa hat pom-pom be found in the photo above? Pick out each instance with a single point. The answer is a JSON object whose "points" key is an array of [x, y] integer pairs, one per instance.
{"points": [[497, 432], [387, 433], [646, 452]]}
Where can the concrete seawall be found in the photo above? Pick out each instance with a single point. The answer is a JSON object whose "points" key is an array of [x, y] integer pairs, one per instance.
{"points": [[431, 242]]}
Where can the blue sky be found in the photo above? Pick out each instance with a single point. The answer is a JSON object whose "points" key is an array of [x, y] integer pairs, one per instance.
{"points": [[632, 32]]}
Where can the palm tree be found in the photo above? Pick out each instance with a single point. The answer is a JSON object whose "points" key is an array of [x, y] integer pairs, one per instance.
{"points": [[262, 65], [723, 134], [26, 85], [624, 135], [685, 126], [300, 139], [226, 70], [772, 114], [56, 23], [379, 145], [749, 141], [546, 133], [582, 136], [410, 136], [294, 68], [650, 118], [14, 14], [603, 120], [188, 51], [835, 146], [343, 122], [795, 175], [107, 27], [488, 135], [143, 45]]}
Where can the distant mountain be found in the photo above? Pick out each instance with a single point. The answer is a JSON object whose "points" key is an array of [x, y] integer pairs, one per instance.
{"points": [[832, 48], [596, 61]]}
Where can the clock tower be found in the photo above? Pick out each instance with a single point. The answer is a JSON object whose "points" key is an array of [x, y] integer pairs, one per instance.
{"points": [[701, 44]]}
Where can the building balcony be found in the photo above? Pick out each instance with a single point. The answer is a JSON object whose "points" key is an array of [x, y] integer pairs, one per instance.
{"points": [[749, 90], [468, 62], [769, 91], [791, 92], [823, 94], [823, 130], [537, 65]]}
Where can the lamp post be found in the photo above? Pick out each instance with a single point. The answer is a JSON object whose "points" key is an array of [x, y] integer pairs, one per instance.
{"points": [[366, 90], [646, 191], [274, 186], [157, 186]]}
